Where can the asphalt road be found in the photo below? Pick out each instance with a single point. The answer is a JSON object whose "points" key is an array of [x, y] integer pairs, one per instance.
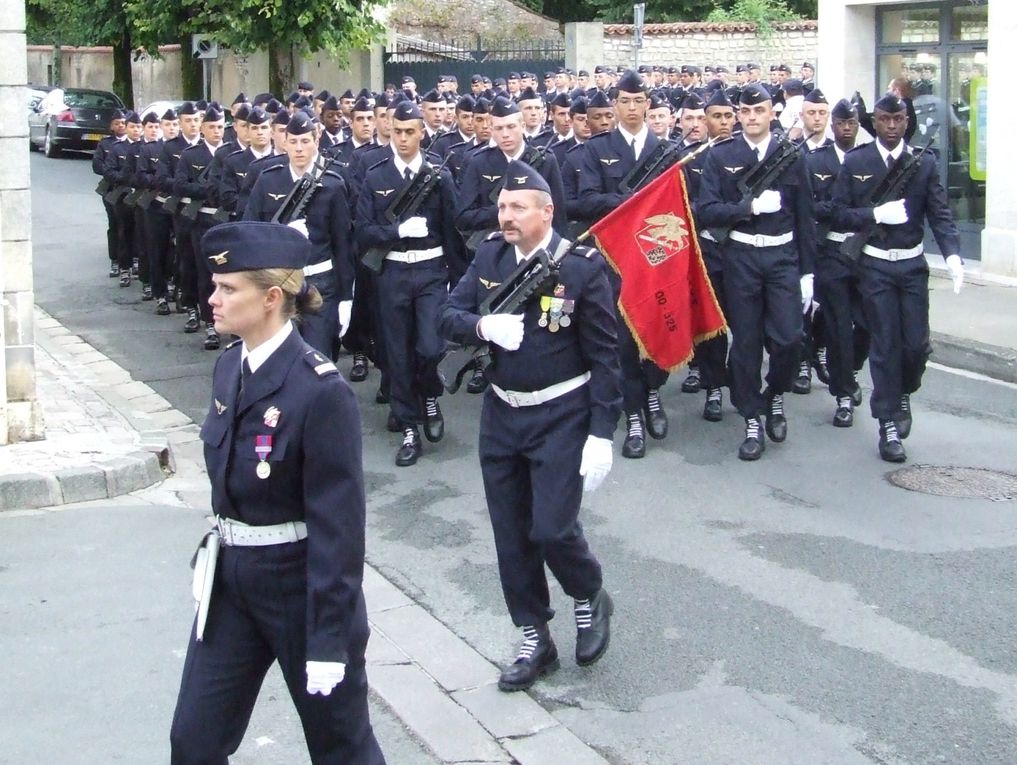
{"points": [[801, 609]]}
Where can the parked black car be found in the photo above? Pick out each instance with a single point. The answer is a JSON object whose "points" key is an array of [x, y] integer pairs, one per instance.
{"points": [[79, 127]]}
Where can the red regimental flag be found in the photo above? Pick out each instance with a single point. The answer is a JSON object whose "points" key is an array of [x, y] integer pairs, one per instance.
{"points": [[666, 297]]}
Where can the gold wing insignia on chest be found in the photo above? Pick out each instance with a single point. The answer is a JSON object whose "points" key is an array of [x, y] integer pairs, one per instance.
{"points": [[609, 161], [491, 178], [697, 170], [220, 407], [199, 168], [734, 170], [276, 197], [488, 284], [822, 176], [862, 178], [240, 175], [383, 192]]}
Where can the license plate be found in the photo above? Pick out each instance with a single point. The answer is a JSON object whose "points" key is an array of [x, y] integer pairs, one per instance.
{"points": [[94, 136]]}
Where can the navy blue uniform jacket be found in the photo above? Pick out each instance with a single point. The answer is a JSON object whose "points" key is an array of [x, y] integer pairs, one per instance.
{"points": [[605, 161], [316, 477], [588, 344]]}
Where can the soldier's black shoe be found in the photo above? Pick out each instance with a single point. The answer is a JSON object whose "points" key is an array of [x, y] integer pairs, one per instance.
{"points": [[844, 417], [212, 341], [193, 322], [409, 452], [125, 278], [656, 417], [903, 417], [692, 383], [713, 409], [776, 422], [162, 307], [358, 373], [146, 292], [114, 269], [593, 627], [538, 656], [635, 440], [392, 424], [803, 383], [381, 397], [821, 367], [890, 447], [434, 423], [478, 382], [754, 445]]}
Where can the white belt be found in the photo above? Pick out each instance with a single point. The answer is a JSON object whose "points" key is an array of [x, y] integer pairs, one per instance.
{"points": [[893, 255], [415, 256], [532, 398], [705, 234], [837, 236], [318, 268], [762, 240], [160, 198], [237, 534], [208, 210]]}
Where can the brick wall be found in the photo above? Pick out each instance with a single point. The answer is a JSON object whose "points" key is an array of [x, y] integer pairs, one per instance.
{"points": [[708, 43], [496, 20]]}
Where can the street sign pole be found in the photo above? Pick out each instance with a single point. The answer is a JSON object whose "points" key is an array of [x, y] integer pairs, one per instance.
{"points": [[638, 14]]}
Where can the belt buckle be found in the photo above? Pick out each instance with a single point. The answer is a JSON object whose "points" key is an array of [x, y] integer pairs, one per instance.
{"points": [[512, 399], [894, 255], [760, 240]]}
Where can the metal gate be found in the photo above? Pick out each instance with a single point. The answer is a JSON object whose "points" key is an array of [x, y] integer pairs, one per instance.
{"points": [[425, 61]]}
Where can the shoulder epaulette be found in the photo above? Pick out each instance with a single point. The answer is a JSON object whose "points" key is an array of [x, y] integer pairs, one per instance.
{"points": [[585, 251], [230, 345], [379, 163], [820, 148], [572, 148], [599, 136], [270, 168], [494, 235], [856, 148], [321, 365]]}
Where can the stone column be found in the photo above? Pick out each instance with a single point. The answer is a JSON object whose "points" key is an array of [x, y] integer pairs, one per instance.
{"points": [[999, 237], [584, 45], [20, 414], [846, 45]]}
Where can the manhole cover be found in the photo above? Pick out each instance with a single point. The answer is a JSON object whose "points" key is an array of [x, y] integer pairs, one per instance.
{"points": [[952, 481]]}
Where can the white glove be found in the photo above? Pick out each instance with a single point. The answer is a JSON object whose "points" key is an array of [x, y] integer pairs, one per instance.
{"points": [[891, 213], [414, 228], [596, 464], [345, 311], [300, 224], [323, 676], [807, 292], [767, 202], [956, 269], [504, 329]]}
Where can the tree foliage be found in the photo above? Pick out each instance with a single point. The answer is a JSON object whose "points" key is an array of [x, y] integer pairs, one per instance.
{"points": [[620, 11], [763, 13]]}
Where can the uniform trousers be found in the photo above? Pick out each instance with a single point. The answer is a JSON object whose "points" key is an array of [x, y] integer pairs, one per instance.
{"points": [[410, 298], [529, 460], [320, 329], [711, 355], [202, 275], [847, 339], [128, 237], [144, 256], [158, 230], [363, 334], [764, 300], [895, 297], [187, 267], [639, 375], [258, 615], [112, 235]]}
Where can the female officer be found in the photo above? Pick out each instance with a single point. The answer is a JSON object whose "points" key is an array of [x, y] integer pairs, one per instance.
{"points": [[283, 453]]}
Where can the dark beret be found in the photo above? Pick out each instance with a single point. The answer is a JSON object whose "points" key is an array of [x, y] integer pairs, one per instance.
{"points": [[292, 97], [240, 99], [528, 94], [512, 76], [282, 117], [793, 87], [331, 105], [466, 103], [658, 102], [406, 80], [583, 73], [323, 96], [783, 68], [693, 101], [432, 97], [201, 105], [304, 85], [347, 95], [258, 116], [381, 101], [720, 98], [365, 93], [482, 106], [303, 102], [476, 79], [274, 106], [150, 118], [362, 105], [561, 100], [213, 115], [243, 112], [520, 176], [262, 98], [742, 68], [187, 107], [600, 69], [599, 100], [644, 69], [579, 105], [252, 245], [807, 65]]}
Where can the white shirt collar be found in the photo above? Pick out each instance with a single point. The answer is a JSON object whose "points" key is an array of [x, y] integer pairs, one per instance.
{"points": [[518, 154], [521, 256], [211, 149], [255, 358], [884, 152], [640, 137], [295, 177], [840, 154], [817, 143], [559, 137], [260, 155], [764, 144], [466, 138], [414, 164]]}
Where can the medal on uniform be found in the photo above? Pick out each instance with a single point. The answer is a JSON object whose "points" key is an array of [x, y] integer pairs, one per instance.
{"points": [[545, 303], [272, 416], [263, 448], [556, 306], [559, 290], [567, 307]]}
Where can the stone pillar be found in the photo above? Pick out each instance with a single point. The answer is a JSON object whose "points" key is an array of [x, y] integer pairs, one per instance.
{"points": [[584, 45], [20, 415], [846, 48], [999, 237]]}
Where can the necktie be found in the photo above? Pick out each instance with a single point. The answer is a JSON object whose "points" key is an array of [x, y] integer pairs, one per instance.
{"points": [[635, 153], [889, 162], [759, 154], [245, 376], [407, 174]]}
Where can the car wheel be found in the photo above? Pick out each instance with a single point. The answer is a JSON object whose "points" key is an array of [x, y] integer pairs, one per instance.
{"points": [[49, 148]]}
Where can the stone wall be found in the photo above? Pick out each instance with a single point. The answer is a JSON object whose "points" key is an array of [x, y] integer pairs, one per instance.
{"points": [[459, 20], [703, 43]]}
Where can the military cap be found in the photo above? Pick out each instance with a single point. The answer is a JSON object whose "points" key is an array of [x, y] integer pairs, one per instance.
{"points": [[169, 115], [708, 69], [582, 73], [253, 245], [599, 100], [487, 80], [362, 105], [304, 85], [331, 105], [303, 102], [561, 100], [381, 101], [443, 78], [890, 103], [753, 66], [132, 117], [482, 106], [548, 75], [673, 70], [734, 93], [347, 95], [240, 99], [274, 106], [243, 112], [843, 110], [561, 70], [793, 87], [282, 117], [754, 94], [721, 70], [448, 97], [476, 79], [600, 69], [262, 98], [713, 85], [201, 105], [500, 82], [407, 110], [299, 124], [579, 105], [503, 107], [466, 103], [527, 75], [693, 102], [212, 114], [741, 68], [292, 97], [365, 93], [658, 102], [720, 98], [397, 98], [815, 96], [512, 76], [150, 118], [519, 177], [807, 65], [630, 82], [406, 80], [432, 97], [323, 96], [783, 68], [693, 69], [645, 69], [258, 116], [774, 67], [528, 94], [187, 107]]}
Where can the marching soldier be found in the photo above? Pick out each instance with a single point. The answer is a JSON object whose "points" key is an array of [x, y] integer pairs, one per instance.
{"points": [[607, 159], [561, 137], [326, 223], [463, 133], [768, 266], [190, 132], [893, 274], [149, 138], [546, 424], [413, 284], [157, 225], [116, 172], [117, 133], [237, 164], [432, 106], [361, 131]]}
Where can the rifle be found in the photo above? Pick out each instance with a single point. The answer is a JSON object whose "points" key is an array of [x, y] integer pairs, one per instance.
{"points": [[407, 202], [132, 197], [144, 200], [171, 204], [760, 178], [116, 193], [529, 277], [190, 210], [102, 187], [890, 189], [303, 191], [653, 165]]}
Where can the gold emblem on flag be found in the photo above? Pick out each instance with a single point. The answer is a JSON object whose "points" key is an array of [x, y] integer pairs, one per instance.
{"points": [[664, 236]]}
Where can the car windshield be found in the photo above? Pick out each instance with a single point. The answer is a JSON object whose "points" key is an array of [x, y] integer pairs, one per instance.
{"points": [[91, 99]]}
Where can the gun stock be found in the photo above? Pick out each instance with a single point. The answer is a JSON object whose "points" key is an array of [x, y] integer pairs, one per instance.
{"points": [[102, 187], [374, 259], [190, 210], [171, 204]]}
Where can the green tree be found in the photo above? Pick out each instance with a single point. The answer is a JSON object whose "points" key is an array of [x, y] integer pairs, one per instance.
{"points": [[620, 11], [763, 13]]}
